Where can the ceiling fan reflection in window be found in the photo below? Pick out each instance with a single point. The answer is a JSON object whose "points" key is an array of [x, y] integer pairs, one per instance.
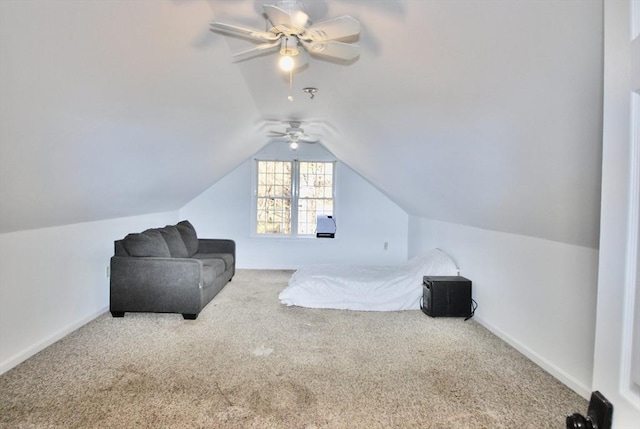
{"points": [[294, 36]]}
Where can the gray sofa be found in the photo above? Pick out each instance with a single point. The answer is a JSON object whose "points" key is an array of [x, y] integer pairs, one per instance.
{"points": [[169, 270]]}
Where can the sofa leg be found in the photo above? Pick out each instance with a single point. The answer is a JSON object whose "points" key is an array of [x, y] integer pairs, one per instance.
{"points": [[117, 313], [190, 316]]}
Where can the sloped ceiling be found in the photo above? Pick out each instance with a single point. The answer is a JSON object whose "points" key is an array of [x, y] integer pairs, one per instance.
{"points": [[484, 113]]}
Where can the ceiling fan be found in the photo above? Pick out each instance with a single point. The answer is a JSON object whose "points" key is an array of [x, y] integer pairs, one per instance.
{"points": [[294, 135], [293, 34]]}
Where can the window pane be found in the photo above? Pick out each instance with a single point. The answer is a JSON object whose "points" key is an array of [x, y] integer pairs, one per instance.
{"points": [[316, 180], [274, 178], [273, 203], [273, 216]]}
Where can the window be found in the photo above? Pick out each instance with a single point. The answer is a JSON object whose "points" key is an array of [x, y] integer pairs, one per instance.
{"points": [[290, 194]]}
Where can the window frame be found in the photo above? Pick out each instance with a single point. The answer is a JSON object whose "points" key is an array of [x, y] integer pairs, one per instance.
{"points": [[295, 196]]}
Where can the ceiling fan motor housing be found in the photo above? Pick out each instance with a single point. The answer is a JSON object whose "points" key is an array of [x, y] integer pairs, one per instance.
{"points": [[295, 131]]}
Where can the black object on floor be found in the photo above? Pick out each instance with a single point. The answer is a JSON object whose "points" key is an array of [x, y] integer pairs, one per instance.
{"points": [[599, 414], [447, 296]]}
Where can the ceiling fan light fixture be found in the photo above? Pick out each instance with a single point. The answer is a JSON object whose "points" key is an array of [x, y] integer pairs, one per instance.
{"points": [[293, 145], [288, 50], [286, 63], [289, 46]]}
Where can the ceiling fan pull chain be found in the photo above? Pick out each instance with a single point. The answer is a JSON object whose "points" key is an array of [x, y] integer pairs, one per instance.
{"points": [[290, 97]]}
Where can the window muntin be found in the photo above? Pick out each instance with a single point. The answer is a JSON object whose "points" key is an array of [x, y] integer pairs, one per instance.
{"points": [[290, 195]]}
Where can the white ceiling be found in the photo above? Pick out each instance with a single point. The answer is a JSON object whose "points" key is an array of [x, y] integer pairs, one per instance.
{"points": [[485, 113]]}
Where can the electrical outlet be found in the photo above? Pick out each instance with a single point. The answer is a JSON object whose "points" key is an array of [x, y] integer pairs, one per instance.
{"points": [[386, 245], [107, 272]]}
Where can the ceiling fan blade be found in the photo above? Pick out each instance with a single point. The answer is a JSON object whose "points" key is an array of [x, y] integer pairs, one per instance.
{"points": [[261, 49], [293, 19], [339, 50], [305, 138], [299, 19], [333, 29], [277, 134], [277, 16], [249, 33]]}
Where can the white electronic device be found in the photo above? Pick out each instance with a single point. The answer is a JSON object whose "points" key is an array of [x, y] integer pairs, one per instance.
{"points": [[325, 226]]}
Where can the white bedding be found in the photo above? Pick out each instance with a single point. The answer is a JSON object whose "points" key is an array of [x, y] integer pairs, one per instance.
{"points": [[364, 287]]}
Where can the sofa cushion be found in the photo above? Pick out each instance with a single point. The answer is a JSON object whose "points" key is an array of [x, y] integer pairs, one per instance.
{"points": [[216, 264], [189, 236], [226, 257], [208, 276], [147, 243], [174, 242]]}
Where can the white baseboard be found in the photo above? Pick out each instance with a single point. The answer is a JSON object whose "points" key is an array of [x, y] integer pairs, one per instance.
{"points": [[543, 363], [18, 358]]}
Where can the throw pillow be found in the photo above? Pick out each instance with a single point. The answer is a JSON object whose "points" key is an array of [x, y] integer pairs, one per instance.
{"points": [[189, 236], [174, 242], [147, 243]]}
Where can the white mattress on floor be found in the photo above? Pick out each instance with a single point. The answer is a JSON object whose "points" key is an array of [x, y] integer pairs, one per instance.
{"points": [[364, 287]]}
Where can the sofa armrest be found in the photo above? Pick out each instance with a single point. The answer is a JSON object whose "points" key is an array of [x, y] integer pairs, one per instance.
{"points": [[156, 284], [216, 245]]}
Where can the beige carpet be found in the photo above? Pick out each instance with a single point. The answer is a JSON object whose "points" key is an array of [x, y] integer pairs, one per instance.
{"points": [[250, 362]]}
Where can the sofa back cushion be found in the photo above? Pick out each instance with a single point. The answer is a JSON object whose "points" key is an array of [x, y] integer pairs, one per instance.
{"points": [[189, 236], [147, 243], [172, 237]]}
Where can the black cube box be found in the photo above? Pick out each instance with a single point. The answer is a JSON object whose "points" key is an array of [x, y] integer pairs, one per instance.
{"points": [[446, 296]]}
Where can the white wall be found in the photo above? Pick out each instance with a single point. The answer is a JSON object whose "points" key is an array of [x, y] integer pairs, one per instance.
{"points": [[53, 280], [538, 295], [366, 219]]}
